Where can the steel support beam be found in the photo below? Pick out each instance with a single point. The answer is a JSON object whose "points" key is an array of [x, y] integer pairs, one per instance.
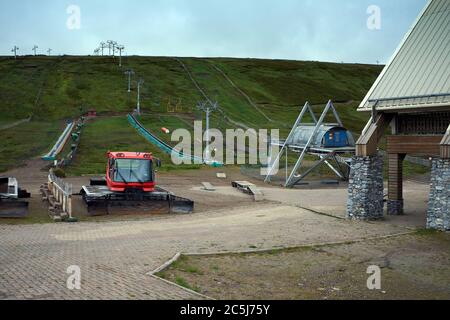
{"points": [[308, 144], [306, 108]]}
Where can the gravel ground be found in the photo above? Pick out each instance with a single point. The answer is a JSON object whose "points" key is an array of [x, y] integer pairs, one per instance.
{"points": [[412, 267]]}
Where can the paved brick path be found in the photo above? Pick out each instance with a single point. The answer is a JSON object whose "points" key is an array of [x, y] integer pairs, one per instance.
{"points": [[114, 257]]}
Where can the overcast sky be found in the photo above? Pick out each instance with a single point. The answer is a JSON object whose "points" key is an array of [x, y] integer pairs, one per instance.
{"points": [[324, 30]]}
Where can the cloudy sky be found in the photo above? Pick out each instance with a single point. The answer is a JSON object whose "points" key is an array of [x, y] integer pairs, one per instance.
{"points": [[325, 30]]}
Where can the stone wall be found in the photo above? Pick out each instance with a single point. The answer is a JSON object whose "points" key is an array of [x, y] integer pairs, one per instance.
{"points": [[395, 207], [438, 216], [365, 191]]}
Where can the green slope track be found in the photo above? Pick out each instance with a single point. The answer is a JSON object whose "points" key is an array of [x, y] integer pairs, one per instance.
{"points": [[251, 93]]}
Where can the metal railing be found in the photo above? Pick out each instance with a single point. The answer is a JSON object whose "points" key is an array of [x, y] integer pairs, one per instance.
{"points": [[62, 191]]}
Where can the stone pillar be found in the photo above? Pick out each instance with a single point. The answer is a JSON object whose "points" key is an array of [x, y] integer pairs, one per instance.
{"points": [[365, 190], [395, 184], [438, 215]]}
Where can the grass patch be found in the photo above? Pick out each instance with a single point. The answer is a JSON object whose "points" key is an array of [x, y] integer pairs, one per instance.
{"points": [[38, 214], [40, 86], [182, 282], [192, 269], [412, 169], [183, 264], [113, 134], [409, 169], [34, 219], [424, 232], [26, 141]]}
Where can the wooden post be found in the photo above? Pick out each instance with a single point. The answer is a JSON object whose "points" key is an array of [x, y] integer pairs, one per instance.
{"points": [[445, 145], [395, 183], [69, 206], [367, 144]]}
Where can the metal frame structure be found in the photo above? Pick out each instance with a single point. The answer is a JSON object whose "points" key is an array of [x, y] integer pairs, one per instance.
{"points": [[325, 154], [207, 107], [111, 46], [120, 48], [103, 46], [129, 73], [15, 51], [140, 82]]}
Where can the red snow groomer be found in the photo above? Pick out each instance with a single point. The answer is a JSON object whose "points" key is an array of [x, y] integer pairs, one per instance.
{"points": [[130, 182]]}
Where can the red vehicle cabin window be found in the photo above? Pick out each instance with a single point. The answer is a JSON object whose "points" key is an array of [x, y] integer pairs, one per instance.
{"points": [[132, 171]]}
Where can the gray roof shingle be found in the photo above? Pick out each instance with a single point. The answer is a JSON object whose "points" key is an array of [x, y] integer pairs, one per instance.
{"points": [[418, 75]]}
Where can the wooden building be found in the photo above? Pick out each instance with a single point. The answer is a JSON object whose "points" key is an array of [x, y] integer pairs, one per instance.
{"points": [[92, 113], [412, 98]]}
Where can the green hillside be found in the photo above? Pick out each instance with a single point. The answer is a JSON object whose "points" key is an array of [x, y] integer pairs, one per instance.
{"points": [[54, 89]]}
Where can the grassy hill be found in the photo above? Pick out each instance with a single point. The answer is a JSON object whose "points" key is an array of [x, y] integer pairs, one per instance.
{"points": [[251, 92]]}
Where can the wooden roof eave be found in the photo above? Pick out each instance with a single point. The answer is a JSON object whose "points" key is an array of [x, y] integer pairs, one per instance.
{"points": [[432, 107]]}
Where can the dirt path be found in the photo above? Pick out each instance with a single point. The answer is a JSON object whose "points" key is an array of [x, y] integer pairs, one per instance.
{"points": [[249, 100], [31, 175], [14, 124], [203, 93]]}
